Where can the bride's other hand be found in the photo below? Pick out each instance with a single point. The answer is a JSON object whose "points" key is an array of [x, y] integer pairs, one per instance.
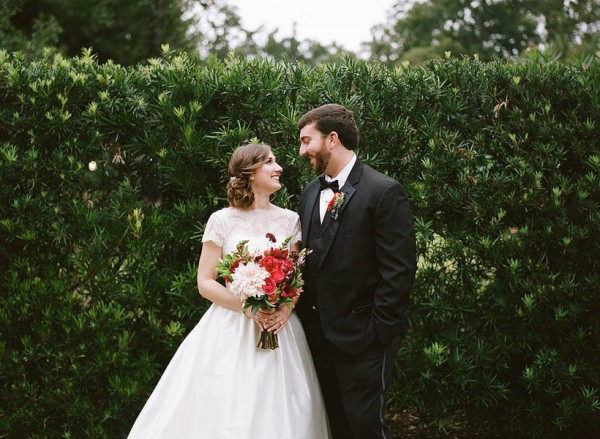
{"points": [[278, 319]]}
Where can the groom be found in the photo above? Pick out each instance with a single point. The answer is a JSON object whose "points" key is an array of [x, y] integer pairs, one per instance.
{"points": [[358, 277]]}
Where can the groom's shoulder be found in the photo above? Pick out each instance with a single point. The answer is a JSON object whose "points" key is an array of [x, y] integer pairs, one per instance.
{"points": [[375, 176]]}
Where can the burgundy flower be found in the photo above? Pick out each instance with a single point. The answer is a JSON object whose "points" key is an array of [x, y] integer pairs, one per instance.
{"points": [[289, 292]]}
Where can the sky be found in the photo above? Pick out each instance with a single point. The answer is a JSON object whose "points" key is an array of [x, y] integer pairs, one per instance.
{"points": [[347, 22]]}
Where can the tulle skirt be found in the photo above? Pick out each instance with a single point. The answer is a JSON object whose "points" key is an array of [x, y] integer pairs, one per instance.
{"points": [[218, 385]]}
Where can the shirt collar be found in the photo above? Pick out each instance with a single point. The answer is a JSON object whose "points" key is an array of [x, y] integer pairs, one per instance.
{"points": [[344, 173]]}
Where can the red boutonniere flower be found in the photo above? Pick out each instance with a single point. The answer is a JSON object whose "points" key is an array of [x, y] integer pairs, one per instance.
{"points": [[334, 205]]}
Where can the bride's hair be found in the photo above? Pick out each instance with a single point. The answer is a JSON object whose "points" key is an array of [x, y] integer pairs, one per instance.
{"points": [[244, 161]]}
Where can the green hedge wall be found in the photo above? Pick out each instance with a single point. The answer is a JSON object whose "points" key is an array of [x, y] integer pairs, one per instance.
{"points": [[501, 162]]}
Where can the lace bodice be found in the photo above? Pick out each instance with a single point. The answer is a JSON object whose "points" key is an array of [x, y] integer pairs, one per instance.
{"points": [[228, 226]]}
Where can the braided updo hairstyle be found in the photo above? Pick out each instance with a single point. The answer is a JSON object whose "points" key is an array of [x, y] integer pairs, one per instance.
{"points": [[244, 161]]}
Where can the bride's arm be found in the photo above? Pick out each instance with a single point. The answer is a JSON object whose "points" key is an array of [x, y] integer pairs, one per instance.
{"points": [[208, 287]]}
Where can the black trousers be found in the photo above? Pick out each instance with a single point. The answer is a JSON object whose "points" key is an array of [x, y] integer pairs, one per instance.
{"points": [[354, 386]]}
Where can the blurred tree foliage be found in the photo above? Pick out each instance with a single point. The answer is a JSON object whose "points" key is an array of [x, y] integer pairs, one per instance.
{"points": [[133, 31], [126, 32], [417, 31], [289, 48]]}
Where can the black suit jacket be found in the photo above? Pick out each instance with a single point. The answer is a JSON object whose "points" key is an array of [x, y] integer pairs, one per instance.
{"points": [[365, 271]]}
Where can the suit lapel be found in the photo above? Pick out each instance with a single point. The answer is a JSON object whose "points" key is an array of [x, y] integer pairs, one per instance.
{"points": [[330, 226], [312, 197]]}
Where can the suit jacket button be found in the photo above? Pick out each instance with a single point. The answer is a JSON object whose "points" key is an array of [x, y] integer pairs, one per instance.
{"points": [[314, 307]]}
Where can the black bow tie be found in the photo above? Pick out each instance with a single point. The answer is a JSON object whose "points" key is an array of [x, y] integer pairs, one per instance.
{"points": [[333, 185]]}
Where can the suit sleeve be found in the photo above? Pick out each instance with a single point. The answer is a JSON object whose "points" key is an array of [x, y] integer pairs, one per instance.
{"points": [[396, 261]]}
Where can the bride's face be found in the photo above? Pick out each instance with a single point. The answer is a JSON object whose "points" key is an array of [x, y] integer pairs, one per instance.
{"points": [[266, 178]]}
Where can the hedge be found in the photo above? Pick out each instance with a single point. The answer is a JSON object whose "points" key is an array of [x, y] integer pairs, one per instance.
{"points": [[108, 175]]}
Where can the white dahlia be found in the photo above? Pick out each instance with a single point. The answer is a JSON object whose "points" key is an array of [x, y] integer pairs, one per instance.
{"points": [[248, 280]]}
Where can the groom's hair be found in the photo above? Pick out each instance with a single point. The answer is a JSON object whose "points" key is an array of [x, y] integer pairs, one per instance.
{"points": [[243, 163], [333, 117]]}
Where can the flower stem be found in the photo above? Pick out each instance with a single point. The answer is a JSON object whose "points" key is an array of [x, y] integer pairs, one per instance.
{"points": [[268, 340]]}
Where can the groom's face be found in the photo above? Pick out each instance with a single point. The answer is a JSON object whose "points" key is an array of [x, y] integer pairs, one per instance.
{"points": [[313, 147]]}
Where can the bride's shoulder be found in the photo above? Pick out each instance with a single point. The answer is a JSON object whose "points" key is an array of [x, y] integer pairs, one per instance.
{"points": [[224, 214], [286, 213], [225, 211]]}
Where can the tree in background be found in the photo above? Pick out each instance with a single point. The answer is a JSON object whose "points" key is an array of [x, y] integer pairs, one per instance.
{"points": [[571, 27], [269, 45], [125, 32], [39, 32], [131, 32], [421, 30]]}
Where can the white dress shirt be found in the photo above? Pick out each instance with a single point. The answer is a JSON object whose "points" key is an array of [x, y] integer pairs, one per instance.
{"points": [[327, 194]]}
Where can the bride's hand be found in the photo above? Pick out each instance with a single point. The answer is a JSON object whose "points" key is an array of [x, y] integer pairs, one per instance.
{"points": [[260, 317], [278, 319]]}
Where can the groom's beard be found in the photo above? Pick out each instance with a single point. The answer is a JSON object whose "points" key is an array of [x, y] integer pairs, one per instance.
{"points": [[322, 159]]}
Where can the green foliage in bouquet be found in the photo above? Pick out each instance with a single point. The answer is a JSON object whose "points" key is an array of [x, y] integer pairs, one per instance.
{"points": [[108, 175]]}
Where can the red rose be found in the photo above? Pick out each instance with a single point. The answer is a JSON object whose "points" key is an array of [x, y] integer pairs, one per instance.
{"points": [[287, 265], [278, 275], [269, 287], [271, 264]]}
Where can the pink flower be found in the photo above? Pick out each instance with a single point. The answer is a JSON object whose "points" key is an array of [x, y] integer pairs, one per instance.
{"points": [[247, 280]]}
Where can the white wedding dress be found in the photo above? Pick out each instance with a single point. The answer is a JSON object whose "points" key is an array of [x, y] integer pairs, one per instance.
{"points": [[219, 385]]}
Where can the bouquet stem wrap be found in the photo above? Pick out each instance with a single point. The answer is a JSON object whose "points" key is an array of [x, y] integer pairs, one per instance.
{"points": [[268, 340]]}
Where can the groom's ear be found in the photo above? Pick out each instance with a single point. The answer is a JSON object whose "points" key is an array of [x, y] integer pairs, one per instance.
{"points": [[332, 139]]}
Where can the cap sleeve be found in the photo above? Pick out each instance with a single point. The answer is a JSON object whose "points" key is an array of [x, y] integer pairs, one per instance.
{"points": [[215, 230]]}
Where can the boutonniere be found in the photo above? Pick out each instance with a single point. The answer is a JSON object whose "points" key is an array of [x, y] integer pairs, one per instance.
{"points": [[334, 205]]}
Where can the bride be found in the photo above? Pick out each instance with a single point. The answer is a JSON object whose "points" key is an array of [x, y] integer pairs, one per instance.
{"points": [[218, 384]]}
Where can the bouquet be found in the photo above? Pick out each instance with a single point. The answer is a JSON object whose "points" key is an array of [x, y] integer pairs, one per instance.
{"points": [[264, 280]]}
